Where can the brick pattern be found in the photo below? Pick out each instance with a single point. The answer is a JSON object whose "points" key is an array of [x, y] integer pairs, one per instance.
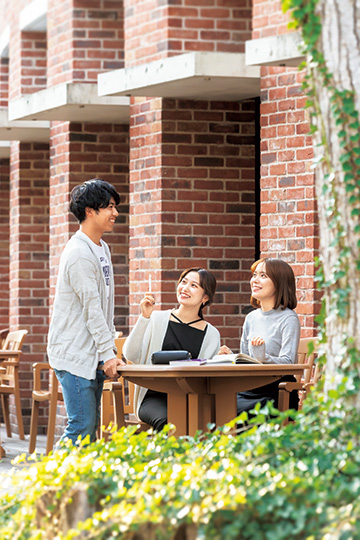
{"points": [[84, 39], [268, 19], [27, 63], [192, 202], [33, 62], [4, 243], [288, 206], [155, 29], [4, 82], [80, 152], [29, 257]]}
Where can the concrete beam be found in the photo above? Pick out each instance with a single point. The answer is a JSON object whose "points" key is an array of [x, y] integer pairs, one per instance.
{"points": [[23, 131], [196, 75], [283, 50], [72, 102]]}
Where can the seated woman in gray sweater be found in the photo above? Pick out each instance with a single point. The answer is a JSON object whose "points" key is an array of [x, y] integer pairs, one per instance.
{"points": [[183, 328], [271, 332]]}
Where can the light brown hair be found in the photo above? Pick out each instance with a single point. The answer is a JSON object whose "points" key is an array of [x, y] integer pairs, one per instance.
{"points": [[282, 276]]}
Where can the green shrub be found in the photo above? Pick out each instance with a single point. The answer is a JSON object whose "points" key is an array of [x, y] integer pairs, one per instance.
{"points": [[267, 483]]}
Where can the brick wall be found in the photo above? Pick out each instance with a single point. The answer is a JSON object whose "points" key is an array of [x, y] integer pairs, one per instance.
{"points": [[84, 38], [4, 243], [288, 206], [268, 19], [4, 82], [29, 257], [33, 61], [192, 201], [155, 29], [27, 63], [80, 152]]}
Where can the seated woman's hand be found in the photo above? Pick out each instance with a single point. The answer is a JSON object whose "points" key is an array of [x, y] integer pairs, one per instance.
{"points": [[257, 341], [224, 350], [147, 305]]}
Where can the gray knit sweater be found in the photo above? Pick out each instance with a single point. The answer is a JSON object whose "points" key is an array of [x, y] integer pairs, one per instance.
{"points": [[280, 328], [82, 326]]}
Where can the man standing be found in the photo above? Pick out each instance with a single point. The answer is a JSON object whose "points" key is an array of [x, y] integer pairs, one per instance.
{"points": [[81, 334]]}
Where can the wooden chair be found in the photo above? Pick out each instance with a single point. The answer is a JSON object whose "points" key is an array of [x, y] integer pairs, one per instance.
{"points": [[3, 333], [118, 400], [39, 395], [111, 394], [9, 378], [304, 383]]}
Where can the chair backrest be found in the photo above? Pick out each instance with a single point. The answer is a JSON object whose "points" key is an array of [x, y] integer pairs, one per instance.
{"points": [[3, 333], [304, 357], [14, 340], [119, 343]]}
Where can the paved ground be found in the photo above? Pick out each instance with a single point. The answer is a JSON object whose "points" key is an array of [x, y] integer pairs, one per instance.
{"points": [[13, 447]]}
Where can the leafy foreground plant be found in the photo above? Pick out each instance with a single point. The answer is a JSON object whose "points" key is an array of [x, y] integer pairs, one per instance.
{"points": [[273, 483]]}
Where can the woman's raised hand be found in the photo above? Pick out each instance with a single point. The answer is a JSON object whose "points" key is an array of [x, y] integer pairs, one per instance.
{"points": [[147, 305], [257, 341]]}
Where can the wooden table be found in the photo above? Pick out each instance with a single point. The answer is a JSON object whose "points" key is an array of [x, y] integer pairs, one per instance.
{"points": [[198, 395]]}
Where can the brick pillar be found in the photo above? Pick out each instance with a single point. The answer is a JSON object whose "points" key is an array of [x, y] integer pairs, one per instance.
{"points": [[193, 201], [29, 249], [156, 29], [80, 152], [288, 206], [4, 82], [84, 39], [28, 63], [4, 243]]}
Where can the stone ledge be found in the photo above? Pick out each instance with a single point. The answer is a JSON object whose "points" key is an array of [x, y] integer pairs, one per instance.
{"points": [[196, 75], [23, 131], [283, 50], [72, 102]]}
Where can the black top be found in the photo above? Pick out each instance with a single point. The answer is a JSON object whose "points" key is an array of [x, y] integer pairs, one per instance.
{"points": [[181, 337]]}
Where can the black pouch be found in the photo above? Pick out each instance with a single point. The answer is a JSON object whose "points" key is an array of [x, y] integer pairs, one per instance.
{"points": [[164, 357]]}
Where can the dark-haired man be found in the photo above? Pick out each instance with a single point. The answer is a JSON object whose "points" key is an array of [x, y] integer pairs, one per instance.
{"points": [[81, 334]]}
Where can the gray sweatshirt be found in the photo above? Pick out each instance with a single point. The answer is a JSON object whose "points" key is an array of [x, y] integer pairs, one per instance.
{"points": [[280, 329], [82, 326]]}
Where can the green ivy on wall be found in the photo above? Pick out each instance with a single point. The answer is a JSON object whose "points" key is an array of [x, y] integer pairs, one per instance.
{"points": [[304, 17]]}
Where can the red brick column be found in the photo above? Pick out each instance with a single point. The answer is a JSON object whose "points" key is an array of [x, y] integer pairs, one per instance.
{"points": [[192, 202], [80, 152], [84, 38], [4, 243], [28, 63], [288, 206], [29, 257], [184, 26]]}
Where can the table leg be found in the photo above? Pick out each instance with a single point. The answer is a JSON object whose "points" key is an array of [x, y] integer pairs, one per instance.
{"points": [[200, 412], [177, 412]]}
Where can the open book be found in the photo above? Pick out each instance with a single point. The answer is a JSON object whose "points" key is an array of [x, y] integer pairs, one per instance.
{"points": [[239, 358]]}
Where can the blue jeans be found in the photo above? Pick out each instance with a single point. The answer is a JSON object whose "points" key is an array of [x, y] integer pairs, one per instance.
{"points": [[82, 399]]}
